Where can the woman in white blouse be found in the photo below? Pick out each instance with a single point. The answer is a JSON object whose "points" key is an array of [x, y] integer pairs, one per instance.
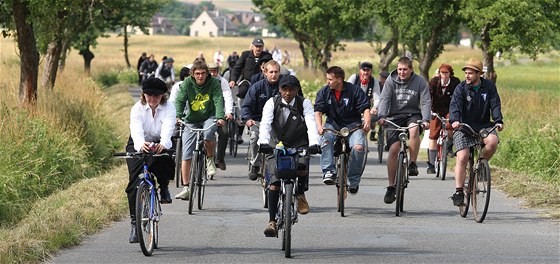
{"points": [[152, 120]]}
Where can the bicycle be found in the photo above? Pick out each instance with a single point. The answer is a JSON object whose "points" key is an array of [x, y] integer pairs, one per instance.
{"points": [[342, 155], [178, 137], [261, 175], [233, 132], [198, 176], [148, 207], [478, 179], [442, 148], [286, 169], [380, 143], [401, 179]]}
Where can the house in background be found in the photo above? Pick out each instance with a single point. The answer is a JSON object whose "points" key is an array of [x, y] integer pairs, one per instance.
{"points": [[211, 24], [162, 25]]}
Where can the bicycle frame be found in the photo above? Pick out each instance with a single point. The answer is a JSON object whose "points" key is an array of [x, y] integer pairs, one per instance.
{"points": [[442, 144], [401, 179]]}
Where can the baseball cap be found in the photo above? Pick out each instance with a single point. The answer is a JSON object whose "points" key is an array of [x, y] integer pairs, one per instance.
{"points": [[366, 65], [258, 42]]}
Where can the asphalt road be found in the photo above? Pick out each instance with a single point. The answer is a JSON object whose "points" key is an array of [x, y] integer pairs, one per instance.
{"points": [[230, 227]]}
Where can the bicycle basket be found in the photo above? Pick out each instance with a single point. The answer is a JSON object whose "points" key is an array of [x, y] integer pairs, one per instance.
{"points": [[286, 166]]}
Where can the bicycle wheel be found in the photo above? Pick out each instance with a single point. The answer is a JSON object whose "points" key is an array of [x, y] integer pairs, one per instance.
{"points": [[481, 190], [342, 181], [399, 184], [443, 159], [288, 207], [236, 137], [364, 162], [231, 136], [468, 187], [201, 180], [178, 161], [380, 144], [144, 223], [192, 179]]}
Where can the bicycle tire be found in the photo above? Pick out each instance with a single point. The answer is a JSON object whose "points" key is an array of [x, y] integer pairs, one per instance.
{"points": [[342, 181], [178, 161], [380, 144], [443, 159], [399, 184], [481, 192], [192, 179], [364, 162], [236, 138], [201, 181], [231, 136], [463, 210], [144, 224], [288, 207]]}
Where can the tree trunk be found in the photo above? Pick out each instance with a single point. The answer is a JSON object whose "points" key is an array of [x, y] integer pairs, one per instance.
{"points": [[63, 54], [389, 53], [51, 65], [29, 65], [88, 57], [304, 56], [488, 56], [125, 34], [429, 56]]}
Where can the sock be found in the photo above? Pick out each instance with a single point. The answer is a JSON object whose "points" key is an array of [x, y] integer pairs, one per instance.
{"points": [[459, 189], [432, 154], [273, 197]]}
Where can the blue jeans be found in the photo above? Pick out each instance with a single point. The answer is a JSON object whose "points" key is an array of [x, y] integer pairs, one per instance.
{"points": [[356, 157]]}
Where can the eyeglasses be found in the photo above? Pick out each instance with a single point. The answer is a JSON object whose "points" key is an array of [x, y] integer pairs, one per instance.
{"points": [[200, 73]]}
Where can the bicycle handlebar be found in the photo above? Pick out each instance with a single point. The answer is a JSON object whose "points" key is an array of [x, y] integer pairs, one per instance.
{"points": [[483, 133], [341, 132], [400, 128], [214, 122], [436, 115], [132, 155]]}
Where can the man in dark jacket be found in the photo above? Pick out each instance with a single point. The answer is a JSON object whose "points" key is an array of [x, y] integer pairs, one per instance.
{"points": [[344, 104], [474, 101]]}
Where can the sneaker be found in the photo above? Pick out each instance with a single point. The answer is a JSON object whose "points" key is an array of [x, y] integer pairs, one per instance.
{"points": [[164, 195], [133, 237], [412, 169], [328, 178], [184, 194], [458, 199], [210, 166], [270, 230], [353, 190], [303, 206], [431, 169], [221, 164], [390, 195], [254, 173]]}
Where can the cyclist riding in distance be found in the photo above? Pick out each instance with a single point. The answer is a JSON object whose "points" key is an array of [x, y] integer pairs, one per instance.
{"points": [[370, 85], [165, 71], [202, 95], [184, 73], [288, 118], [405, 100], [474, 101], [441, 90], [148, 66], [252, 108], [246, 66], [152, 120], [344, 104], [228, 106]]}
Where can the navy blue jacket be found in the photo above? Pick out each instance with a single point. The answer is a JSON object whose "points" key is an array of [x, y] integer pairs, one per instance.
{"points": [[256, 97], [475, 107], [348, 111]]}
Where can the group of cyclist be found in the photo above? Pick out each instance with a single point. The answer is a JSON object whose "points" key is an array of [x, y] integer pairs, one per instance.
{"points": [[274, 110]]}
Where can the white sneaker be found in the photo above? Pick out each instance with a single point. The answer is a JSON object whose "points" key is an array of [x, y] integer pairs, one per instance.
{"points": [[184, 194], [210, 166]]}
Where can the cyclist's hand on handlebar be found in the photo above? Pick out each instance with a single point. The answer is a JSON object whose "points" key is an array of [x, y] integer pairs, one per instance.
{"points": [[231, 84], [500, 126], [314, 149], [220, 122], [381, 121], [229, 116], [426, 125], [366, 128], [456, 125], [265, 148], [250, 123]]}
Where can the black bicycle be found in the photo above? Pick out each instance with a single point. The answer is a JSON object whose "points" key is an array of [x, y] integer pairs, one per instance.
{"points": [[286, 169], [198, 176], [380, 143], [477, 181], [401, 179], [148, 207], [233, 132], [342, 156], [178, 137], [260, 161], [442, 147]]}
